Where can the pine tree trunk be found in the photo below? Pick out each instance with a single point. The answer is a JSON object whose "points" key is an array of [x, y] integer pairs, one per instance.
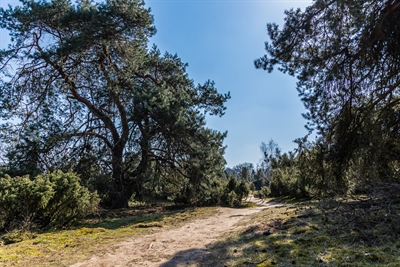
{"points": [[120, 189]]}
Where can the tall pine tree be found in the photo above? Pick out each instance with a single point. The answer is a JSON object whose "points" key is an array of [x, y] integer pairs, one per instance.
{"points": [[82, 77]]}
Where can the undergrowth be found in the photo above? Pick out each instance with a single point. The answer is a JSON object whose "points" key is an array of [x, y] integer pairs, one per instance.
{"points": [[362, 231]]}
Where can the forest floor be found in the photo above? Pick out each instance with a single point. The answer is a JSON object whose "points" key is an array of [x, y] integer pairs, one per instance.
{"points": [[174, 247]]}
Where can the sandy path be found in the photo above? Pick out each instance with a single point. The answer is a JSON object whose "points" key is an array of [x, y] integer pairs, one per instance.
{"points": [[185, 244]]}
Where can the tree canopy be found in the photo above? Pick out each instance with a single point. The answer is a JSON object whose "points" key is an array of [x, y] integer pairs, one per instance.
{"points": [[81, 90], [345, 56]]}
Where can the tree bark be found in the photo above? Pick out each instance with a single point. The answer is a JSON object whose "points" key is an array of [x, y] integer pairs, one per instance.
{"points": [[120, 194]]}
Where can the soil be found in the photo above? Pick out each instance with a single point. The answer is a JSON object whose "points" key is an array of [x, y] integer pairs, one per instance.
{"points": [[175, 247]]}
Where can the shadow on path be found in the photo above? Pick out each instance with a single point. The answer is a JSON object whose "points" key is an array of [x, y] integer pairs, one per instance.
{"points": [[186, 257], [220, 253]]}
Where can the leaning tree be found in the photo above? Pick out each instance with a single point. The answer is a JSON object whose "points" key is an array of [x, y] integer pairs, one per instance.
{"points": [[346, 57], [80, 87]]}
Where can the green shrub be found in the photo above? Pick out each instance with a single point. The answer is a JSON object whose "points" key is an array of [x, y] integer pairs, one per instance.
{"points": [[21, 199], [287, 181], [70, 201], [232, 198], [234, 192], [265, 192], [51, 200], [242, 191]]}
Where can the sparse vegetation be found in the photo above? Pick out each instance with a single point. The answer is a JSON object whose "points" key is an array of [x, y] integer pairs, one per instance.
{"points": [[326, 232], [311, 233], [64, 247]]}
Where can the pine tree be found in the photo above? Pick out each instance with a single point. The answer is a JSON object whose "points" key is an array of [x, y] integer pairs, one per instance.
{"points": [[345, 56], [83, 75]]}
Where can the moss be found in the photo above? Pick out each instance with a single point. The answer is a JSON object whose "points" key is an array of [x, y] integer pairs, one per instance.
{"points": [[303, 235], [64, 247], [17, 236], [87, 231]]}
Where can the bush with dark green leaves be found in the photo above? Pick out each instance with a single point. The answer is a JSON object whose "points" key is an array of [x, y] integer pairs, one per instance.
{"points": [[231, 198], [50, 200], [235, 191], [242, 191], [263, 193]]}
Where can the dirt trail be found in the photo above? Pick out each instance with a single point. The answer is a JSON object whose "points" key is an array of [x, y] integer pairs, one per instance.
{"points": [[185, 245]]}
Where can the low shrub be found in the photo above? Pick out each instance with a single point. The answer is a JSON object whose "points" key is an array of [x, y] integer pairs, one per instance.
{"points": [[263, 193], [17, 236], [234, 192], [50, 200], [232, 197]]}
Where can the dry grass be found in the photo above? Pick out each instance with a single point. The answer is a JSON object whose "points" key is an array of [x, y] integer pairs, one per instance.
{"points": [[341, 232], [64, 247], [309, 234]]}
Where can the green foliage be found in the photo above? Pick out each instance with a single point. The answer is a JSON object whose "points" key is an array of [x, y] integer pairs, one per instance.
{"points": [[51, 200], [242, 171], [16, 236], [231, 198], [235, 191], [208, 193], [21, 199], [286, 182], [245, 174], [232, 183], [24, 157], [101, 103], [265, 192], [261, 179], [70, 201], [283, 172], [345, 56], [242, 191]]}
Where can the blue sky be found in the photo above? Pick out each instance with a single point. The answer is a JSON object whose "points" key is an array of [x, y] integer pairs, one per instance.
{"points": [[220, 41]]}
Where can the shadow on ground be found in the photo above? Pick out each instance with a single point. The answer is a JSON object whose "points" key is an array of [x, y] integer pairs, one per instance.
{"points": [[186, 257], [233, 250], [305, 235], [114, 219]]}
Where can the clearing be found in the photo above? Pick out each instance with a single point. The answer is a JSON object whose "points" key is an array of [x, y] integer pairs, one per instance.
{"points": [[329, 232], [175, 247]]}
